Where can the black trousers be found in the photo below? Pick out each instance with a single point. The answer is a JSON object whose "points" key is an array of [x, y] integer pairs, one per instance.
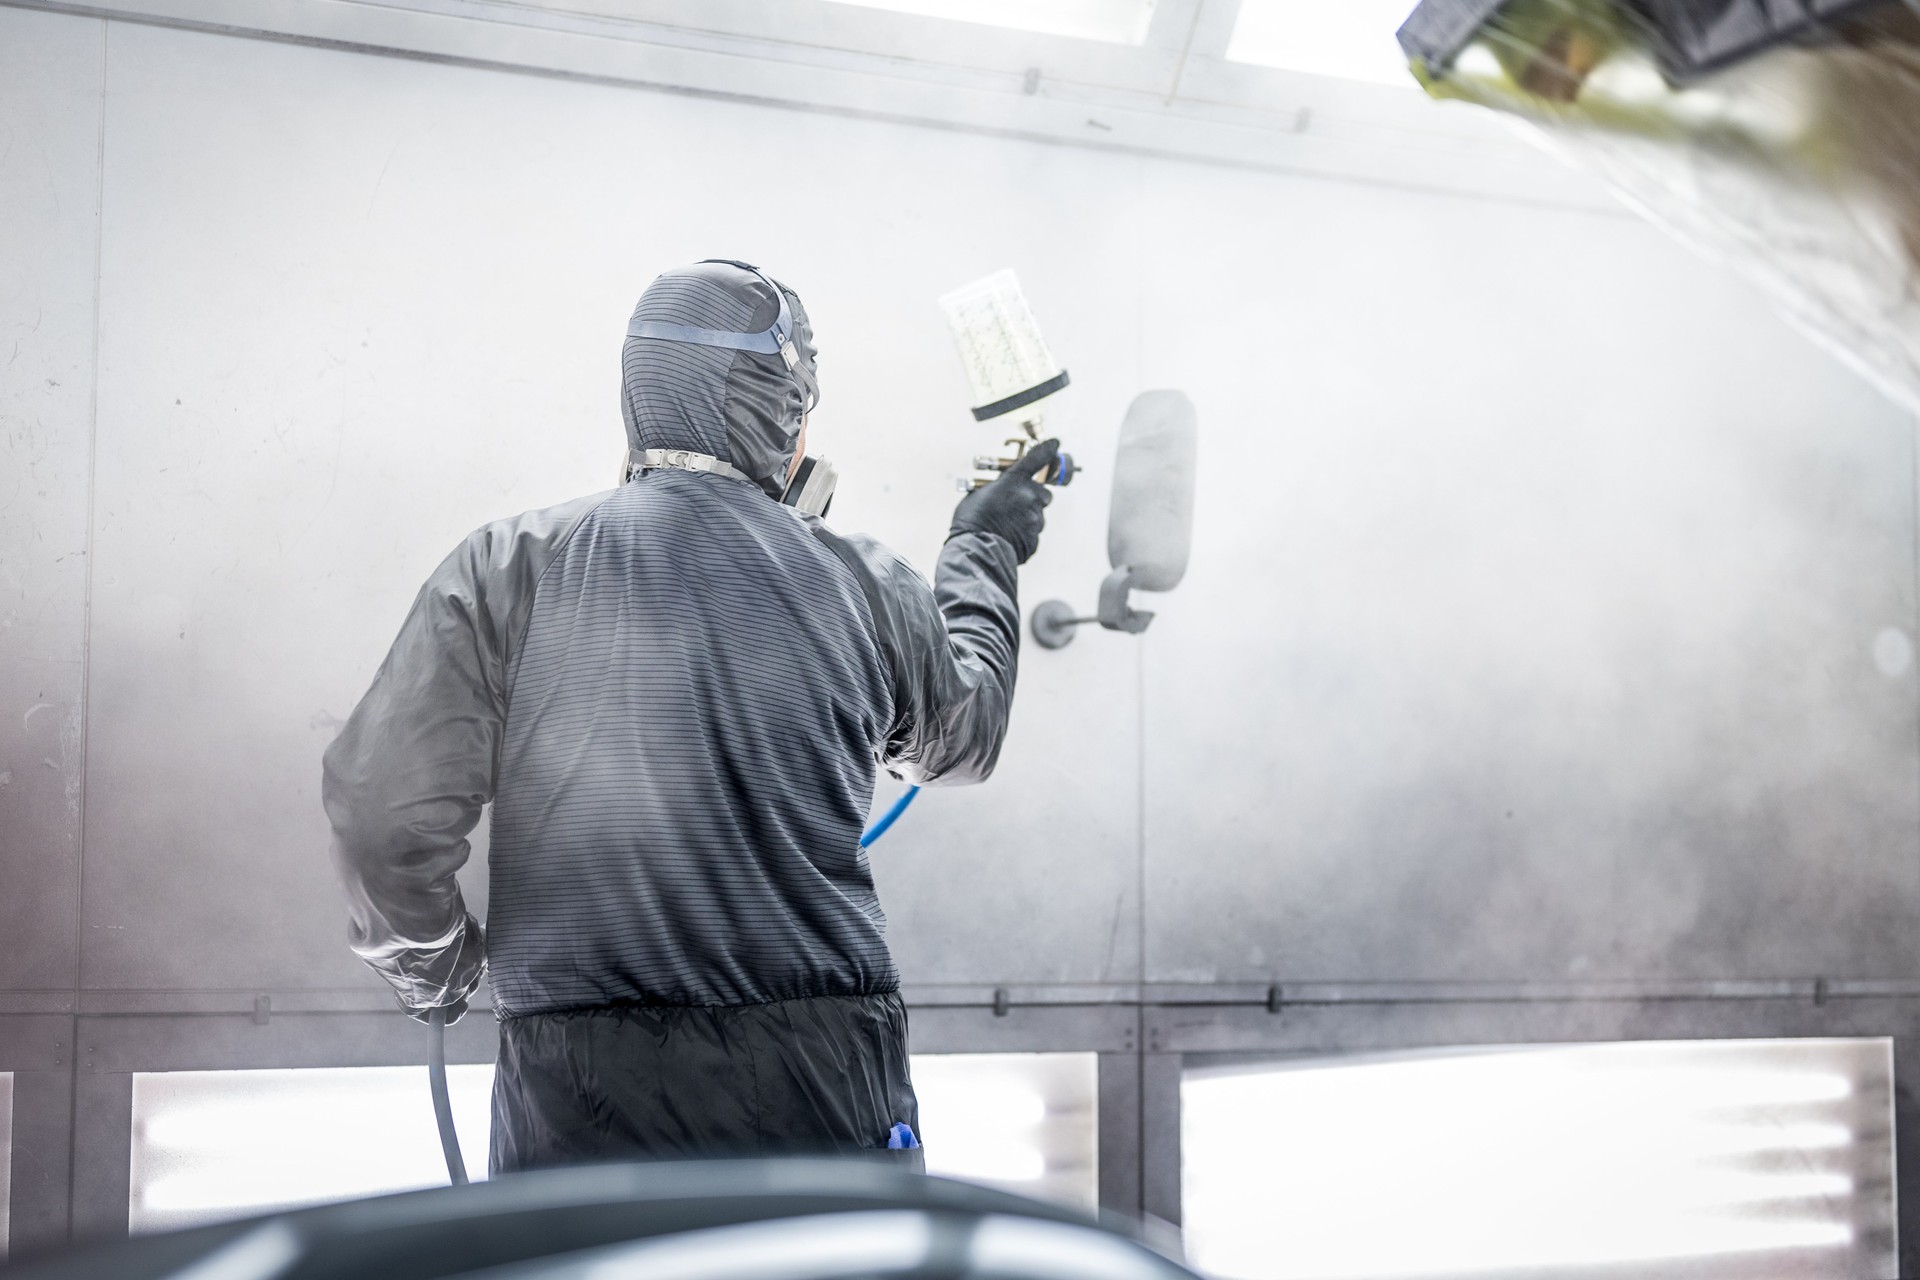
{"points": [[819, 1076]]}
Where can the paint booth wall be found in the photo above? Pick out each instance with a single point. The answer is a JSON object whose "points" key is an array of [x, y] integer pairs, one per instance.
{"points": [[1551, 609]]}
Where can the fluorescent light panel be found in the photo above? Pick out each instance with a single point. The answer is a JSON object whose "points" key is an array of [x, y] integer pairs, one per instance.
{"points": [[1352, 39], [215, 1145], [1747, 1158], [1114, 21], [1019, 1121]]}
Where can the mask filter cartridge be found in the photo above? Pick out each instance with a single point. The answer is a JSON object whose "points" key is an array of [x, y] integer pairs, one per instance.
{"points": [[811, 490]]}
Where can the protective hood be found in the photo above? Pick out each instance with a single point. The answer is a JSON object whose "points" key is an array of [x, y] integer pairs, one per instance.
{"points": [[743, 407]]}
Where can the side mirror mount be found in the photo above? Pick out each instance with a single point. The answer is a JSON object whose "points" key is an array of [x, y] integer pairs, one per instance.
{"points": [[1116, 612], [1150, 525]]}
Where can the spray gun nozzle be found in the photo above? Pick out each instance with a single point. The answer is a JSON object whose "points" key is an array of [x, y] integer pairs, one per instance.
{"points": [[1059, 474]]}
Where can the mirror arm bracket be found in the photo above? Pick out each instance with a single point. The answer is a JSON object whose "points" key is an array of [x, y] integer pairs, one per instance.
{"points": [[1054, 620], [1116, 609]]}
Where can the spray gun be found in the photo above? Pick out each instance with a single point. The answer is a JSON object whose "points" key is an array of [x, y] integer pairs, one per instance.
{"points": [[985, 467], [1010, 369]]}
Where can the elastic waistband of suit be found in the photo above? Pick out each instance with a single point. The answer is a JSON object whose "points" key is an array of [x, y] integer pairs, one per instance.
{"points": [[666, 1006]]}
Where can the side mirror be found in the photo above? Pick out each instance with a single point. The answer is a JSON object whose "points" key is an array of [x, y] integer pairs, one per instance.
{"points": [[1150, 525]]}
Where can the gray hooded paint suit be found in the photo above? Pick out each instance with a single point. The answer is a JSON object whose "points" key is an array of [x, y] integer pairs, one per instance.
{"points": [[674, 696]]}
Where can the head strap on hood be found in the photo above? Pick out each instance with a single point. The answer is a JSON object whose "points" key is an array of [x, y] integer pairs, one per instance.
{"points": [[775, 340]]}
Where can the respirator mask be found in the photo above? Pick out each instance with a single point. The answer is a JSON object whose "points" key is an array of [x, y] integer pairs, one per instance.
{"points": [[810, 491]]}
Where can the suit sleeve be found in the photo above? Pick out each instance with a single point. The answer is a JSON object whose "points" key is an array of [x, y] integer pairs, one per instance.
{"points": [[406, 781], [953, 651]]}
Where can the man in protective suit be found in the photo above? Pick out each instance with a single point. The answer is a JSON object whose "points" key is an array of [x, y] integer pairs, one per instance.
{"points": [[674, 694]]}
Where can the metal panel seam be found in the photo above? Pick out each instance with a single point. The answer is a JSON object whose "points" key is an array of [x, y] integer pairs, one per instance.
{"points": [[86, 625]]}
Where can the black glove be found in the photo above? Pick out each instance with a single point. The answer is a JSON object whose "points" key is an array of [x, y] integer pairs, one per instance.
{"points": [[1014, 506]]}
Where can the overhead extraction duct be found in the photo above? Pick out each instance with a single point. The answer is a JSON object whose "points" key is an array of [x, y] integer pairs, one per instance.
{"points": [[1783, 139]]}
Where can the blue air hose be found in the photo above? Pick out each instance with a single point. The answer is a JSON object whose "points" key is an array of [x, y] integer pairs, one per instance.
{"points": [[888, 818]]}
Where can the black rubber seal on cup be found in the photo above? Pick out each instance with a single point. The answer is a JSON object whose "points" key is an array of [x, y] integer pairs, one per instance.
{"points": [[1021, 399]]}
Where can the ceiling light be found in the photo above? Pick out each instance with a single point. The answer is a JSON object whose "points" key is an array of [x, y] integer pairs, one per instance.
{"points": [[1352, 39], [1115, 21]]}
